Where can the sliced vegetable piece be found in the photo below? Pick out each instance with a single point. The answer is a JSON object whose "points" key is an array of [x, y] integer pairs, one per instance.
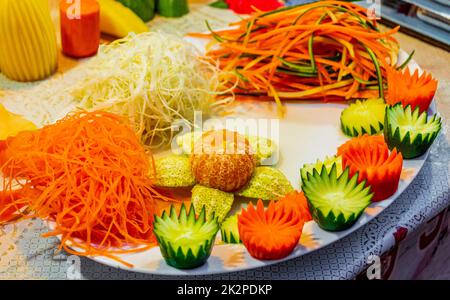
{"points": [[410, 89], [371, 159], [363, 117], [217, 203], [269, 234], [406, 62], [144, 9], [185, 241], [267, 183], [174, 171], [336, 202], [328, 162], [172, 8], [297, 202], [219, 4], [411, 132], [229, 230]]}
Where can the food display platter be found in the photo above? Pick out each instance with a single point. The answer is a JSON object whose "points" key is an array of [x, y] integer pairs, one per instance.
{"points": [[309, 131], [335, 122]]}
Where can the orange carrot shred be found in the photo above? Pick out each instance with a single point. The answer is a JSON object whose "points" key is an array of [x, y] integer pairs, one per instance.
{"points": [[88, 176]]}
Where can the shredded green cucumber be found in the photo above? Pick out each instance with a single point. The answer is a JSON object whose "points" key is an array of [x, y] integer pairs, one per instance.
{"points": [[184, 240], [217, 203], [363, 117], [335, 202], [328, 162], [229, 230], [411, 132], [377, 69], [173, 171]]}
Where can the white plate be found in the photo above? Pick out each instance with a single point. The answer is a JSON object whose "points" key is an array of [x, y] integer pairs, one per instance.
{"points": [[309, 131]]}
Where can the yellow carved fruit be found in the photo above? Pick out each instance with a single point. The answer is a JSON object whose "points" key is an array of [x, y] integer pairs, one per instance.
{"points": [[118, 20], [28, 49]]}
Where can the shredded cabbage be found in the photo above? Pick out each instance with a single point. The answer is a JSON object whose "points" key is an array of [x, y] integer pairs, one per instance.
{"points": [[153, 78]]}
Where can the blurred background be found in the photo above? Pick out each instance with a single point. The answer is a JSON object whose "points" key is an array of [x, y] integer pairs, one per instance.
{"points": [[428, 20]]}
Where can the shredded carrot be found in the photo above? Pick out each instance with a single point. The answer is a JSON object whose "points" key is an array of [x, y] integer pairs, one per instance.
{"points": [[324, 45], [88, 175]]}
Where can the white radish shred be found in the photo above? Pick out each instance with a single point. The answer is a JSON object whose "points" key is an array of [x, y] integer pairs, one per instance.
{"points": [[153, 78]]}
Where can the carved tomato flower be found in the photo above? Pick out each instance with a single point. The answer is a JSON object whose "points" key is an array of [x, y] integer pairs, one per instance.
{"points": [[245, 6]]}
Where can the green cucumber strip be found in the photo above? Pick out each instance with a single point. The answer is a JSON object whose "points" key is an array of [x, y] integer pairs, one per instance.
{"points": [[363, 117], [229, 230], [362, 81], [251, 31], [282, 9], [373, 27], [216, 203], [336, 202], [406, 62], [172, 8], [281, 70], [339, 8], [311, 44], [378, 70], [185, 241], [249, 26], [242, 77], [374, 87], [297, 67], [214, 35], [410, 132], [328, 163]]}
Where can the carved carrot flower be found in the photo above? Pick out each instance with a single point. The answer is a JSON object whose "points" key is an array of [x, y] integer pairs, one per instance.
{"points": [[410, 89], [297, 202], [270, 233], [369, 157]]}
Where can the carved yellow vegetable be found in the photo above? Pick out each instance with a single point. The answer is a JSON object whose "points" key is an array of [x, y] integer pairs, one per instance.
{"points": [[28, 49]]}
